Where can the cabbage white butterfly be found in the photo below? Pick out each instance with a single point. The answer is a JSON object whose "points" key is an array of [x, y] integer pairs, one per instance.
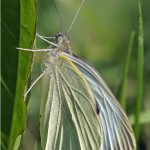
{"points": [[78, 110]]}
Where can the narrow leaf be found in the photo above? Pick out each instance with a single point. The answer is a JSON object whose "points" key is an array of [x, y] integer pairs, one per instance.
{"points": [[140, 61], [123, 88], [9, 58], [27, 33]]}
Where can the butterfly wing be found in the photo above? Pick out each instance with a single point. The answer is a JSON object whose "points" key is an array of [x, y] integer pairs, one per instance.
{"points": [[68, 117], [117, 131]]}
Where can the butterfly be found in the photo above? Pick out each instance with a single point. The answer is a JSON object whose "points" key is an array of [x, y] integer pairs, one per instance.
{"points": [[78, 110]]}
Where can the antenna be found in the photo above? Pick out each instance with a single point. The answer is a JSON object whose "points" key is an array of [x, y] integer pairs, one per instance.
{"points": [[75, 17], [59, 16]]}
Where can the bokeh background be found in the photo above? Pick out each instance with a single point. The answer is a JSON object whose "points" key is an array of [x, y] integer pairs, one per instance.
{"points": [[100, 35]]}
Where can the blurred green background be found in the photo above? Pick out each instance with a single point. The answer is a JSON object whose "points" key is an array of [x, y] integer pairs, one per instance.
{"points": [[100, 35]]}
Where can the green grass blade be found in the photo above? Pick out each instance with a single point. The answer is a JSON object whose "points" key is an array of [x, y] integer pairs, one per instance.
{"points": [[27, 34], [140, 61], [123, 88]]}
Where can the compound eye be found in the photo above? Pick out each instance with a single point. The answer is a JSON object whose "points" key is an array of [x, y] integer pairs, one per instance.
{"points": [[59, 34]]}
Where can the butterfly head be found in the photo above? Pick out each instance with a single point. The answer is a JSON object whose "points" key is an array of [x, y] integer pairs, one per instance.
{"points": [[62, 41], [61, 38]]}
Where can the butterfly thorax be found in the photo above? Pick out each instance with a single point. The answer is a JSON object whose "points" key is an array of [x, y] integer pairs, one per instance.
{"points": [[63, 45]]}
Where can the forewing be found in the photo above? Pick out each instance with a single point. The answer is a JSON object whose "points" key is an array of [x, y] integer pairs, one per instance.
{"points": [[68, 117], [117, 131]]}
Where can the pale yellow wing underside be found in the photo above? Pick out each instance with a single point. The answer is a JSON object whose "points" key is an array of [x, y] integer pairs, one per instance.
{"points": [[68, 111]]}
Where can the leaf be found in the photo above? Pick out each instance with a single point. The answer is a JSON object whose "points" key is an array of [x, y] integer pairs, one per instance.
{"points": [[3, 141], [16, 64], [10, 34], [123, 88], [140, 65]]}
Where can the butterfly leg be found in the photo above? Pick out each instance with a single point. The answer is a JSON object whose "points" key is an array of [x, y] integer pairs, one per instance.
{"points": [[34, 84], [41, 37], [47, 37], [33, 50]]}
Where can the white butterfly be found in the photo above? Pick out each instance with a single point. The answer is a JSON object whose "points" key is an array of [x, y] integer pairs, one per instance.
{"points": [[78, 110]]}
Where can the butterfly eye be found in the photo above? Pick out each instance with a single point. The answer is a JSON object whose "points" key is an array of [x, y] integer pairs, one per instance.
{"points": [[59, 34]]}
